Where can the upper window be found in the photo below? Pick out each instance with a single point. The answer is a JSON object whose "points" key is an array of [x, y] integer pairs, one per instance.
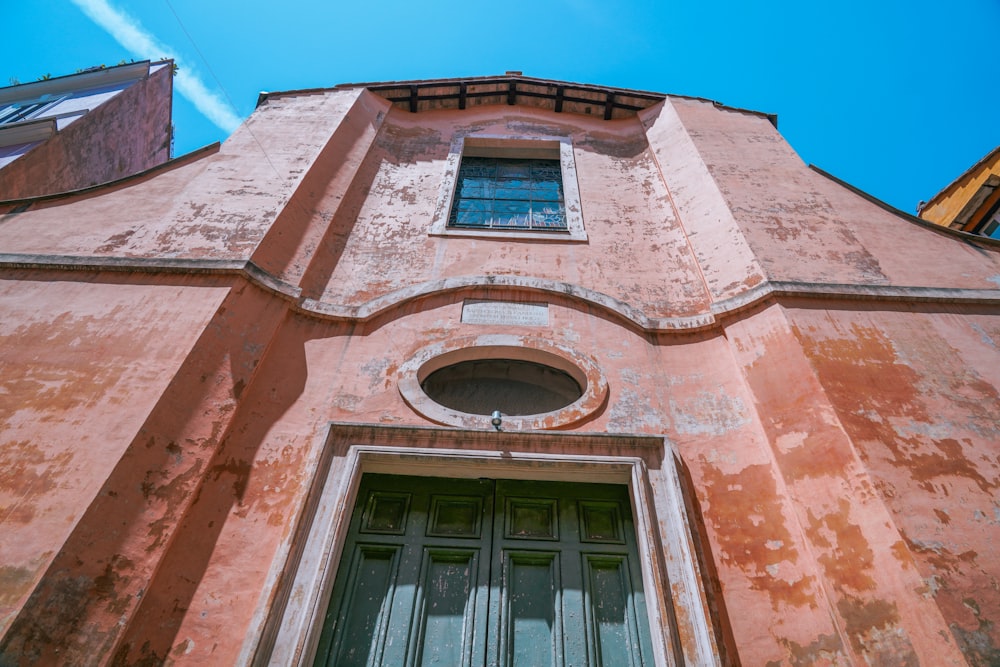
{"points": [[19, 111], [991, 226], [520, 187], [504, 193]]}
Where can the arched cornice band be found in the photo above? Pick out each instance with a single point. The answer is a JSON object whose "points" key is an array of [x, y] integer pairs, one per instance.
{"points": [[482, 285]]}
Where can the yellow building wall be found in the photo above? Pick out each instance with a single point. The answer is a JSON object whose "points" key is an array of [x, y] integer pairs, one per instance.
{"points": [[946, 205]]}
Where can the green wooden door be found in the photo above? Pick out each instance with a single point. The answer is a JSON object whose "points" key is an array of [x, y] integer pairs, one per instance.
{"points": [[487, 572]]}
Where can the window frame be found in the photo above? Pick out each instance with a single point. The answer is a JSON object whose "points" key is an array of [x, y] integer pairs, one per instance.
{"points": [[27, 110], [991, 219], [516, 147]]}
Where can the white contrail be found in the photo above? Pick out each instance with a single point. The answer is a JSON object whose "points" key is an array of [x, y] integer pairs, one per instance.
{"points": [[142, 44]]}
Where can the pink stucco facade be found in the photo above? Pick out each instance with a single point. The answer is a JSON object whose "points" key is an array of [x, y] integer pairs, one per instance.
{"points": [[191, 362]]}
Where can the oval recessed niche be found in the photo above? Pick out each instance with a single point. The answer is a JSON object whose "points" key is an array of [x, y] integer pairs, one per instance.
{"points": [[513, 386], [534, 384]]}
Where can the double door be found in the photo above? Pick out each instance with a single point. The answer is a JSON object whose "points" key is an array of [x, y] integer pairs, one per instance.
{"points": [[472, 572]]}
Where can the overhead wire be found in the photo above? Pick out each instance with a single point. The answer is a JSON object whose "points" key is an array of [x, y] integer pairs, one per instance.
{"points": [[219, 83], [293, 201]]}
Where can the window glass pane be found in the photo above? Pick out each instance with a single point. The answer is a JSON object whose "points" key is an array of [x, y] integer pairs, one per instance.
{"points": [[473, 219], [992, 228], [511, 213], [509, 207], [546, 170], [546, 191], [514, 221], [549, 207], [512, 194], [473, 205], [478, 167], [513, 169], [476, 190], [472, 212], [507, 191], [548, 220], [514, 182]]}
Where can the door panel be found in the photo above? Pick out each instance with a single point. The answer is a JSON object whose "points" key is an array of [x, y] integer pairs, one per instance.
{"points": [[487, 572], [531, 625], [371, 580], [608, 593], [446, 601]]}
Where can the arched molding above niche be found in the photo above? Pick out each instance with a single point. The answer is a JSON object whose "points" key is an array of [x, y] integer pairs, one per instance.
{"points": [[581, 367], [487, 286]]}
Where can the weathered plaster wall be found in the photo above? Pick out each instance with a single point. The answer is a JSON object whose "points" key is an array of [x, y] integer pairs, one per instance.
{"points": [[917, 392], [726, 261], [316, 372], [103, 570], [634, 240], [133, 219], [871, 586], [123, 136], [220, 206], [808, 557], [834, 453], [78, 377], [803, 227]]}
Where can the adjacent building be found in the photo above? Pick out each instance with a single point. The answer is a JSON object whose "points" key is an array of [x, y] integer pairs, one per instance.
{"points": [[970, 203], [89, 128], [497, 369]]}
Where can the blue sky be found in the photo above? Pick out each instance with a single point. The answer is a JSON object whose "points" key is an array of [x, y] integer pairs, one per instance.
{"points": [[896, 98]]}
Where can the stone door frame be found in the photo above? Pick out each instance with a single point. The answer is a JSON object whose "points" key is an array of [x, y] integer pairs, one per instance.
{"points": [[676, 600]]}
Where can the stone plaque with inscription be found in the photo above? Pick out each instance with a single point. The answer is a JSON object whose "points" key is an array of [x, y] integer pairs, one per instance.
{"points": [[480, 311]]}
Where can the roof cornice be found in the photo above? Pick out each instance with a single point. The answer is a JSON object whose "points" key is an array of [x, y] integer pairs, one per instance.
{"points": [[512, 88], [93, 78]]}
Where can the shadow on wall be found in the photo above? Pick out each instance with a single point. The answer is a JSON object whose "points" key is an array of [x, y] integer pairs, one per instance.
{"points": [[123, 559], [717, 611], [278, 384]]}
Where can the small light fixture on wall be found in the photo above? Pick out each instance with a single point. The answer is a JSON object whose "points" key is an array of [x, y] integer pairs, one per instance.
{"points": [[496, 420]]}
